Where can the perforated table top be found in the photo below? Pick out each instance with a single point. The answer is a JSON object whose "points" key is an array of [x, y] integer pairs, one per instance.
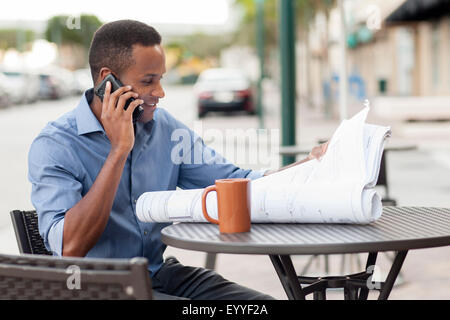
{"points": [[398, 229]]}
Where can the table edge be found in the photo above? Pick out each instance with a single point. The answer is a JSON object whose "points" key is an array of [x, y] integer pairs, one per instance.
{"points": [[337, 248]]}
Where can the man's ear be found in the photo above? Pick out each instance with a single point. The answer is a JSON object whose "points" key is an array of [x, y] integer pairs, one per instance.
{"points": [[102, 74]]}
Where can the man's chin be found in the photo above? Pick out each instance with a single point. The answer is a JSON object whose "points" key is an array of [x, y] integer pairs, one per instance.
{"points": [[148, 113]]}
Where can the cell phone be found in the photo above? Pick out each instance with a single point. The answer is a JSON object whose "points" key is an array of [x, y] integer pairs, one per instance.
{"points": [[116, 84]]}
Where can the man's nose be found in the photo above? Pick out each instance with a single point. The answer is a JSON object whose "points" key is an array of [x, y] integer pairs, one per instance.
{"points": [[158, 92]]}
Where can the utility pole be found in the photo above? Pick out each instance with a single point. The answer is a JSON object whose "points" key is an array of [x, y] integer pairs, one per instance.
{"points": [[260, 49], [343, 86], [288, 87]]}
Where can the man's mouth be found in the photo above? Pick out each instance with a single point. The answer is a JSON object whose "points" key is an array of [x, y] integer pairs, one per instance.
{"points": [[150, 105]]}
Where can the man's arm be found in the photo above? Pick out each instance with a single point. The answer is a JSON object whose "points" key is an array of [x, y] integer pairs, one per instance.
{"points": [[85, 222]]}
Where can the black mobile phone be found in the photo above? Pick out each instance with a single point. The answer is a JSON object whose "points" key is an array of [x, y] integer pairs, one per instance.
{"points": [[116, 84]]}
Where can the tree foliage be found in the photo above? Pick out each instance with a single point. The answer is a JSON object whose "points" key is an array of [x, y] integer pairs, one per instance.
{"points": [[15, 38], [304, 13], [65, 29]]}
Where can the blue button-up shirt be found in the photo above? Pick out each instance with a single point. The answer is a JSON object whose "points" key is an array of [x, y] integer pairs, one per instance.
{"points": [[66, 157]]}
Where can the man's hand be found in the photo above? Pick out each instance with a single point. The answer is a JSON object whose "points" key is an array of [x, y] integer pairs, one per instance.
{"points": [[318, 151], [116, 121]]}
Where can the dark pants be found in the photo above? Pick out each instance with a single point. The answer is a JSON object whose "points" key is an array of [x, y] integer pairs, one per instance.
{"points": [[176, 281]]}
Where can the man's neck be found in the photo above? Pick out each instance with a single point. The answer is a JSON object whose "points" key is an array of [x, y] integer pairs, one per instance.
{"points": [[96, 107]]}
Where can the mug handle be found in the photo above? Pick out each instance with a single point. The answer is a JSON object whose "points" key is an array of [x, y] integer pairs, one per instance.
{"points": [[205, 212]]}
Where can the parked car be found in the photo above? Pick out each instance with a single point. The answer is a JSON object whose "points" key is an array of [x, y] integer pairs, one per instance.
{"points": [[5, 99], [49, 88], [22, 86], [221, 89], [57, 83]]}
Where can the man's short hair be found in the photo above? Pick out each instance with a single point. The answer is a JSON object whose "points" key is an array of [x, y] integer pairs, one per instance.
{"points": [[112, 45]]}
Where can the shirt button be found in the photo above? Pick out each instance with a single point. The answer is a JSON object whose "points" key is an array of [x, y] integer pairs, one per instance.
{"points": [[145, 232], [135, 200]]}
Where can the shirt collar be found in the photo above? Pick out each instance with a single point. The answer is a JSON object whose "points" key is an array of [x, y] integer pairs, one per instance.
{"points": [[87, 122], [147, 127]]}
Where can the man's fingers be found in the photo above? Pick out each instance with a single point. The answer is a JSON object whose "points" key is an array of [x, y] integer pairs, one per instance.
{"points": [[325, 147], [318, 151], [115, 96], [106, 96], [123, 99], [136, 103]]}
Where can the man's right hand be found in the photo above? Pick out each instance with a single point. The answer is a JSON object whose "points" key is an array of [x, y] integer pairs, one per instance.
{"points": [[116, 121]]}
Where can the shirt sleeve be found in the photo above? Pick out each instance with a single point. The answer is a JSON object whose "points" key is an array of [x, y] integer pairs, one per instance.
{"points": [[202, 165], [55, 188]]}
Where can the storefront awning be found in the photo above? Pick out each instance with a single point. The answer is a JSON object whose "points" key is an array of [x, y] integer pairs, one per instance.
{"points": [[419, 10]]}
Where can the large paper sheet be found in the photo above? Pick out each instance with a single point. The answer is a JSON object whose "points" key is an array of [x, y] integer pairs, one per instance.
{"points": [[336, 189]]}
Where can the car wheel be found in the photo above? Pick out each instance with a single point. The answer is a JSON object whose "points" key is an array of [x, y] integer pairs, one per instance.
{"points": [[202, 114]]}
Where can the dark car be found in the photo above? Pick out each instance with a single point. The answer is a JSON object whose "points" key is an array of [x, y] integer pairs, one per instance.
{"points": [[223, 90], [49, 87]]}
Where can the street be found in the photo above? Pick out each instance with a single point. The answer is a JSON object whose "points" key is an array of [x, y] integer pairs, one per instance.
{"points": [[417, 178]]}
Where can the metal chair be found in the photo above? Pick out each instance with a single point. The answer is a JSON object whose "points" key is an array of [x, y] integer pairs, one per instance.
{"points": [[37, 275], [25, 225], [40, 277]]}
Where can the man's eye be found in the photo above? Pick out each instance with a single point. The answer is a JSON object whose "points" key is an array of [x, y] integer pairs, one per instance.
{"points": [[147, 82]]}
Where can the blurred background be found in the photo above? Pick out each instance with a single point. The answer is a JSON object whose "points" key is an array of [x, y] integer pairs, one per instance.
{"points": [[262, 64]]}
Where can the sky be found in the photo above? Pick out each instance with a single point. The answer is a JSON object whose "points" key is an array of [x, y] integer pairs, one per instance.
{"points": [[212, 12]]}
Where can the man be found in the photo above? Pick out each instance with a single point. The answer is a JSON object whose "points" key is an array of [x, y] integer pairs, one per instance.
{"points": [[88, 167]]}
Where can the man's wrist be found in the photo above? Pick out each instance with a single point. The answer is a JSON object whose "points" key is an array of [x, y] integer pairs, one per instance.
{"points": [[118, 154], [268, 172]]}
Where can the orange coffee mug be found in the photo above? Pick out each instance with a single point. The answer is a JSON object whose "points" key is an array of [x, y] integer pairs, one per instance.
{"points": [[233, 205]]}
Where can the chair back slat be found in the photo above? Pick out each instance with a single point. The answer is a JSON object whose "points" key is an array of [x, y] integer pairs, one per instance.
{"points": [[43, 277], [26, 228]]}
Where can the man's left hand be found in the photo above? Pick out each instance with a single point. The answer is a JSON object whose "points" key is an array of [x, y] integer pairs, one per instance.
{"points": [[318, 151]]}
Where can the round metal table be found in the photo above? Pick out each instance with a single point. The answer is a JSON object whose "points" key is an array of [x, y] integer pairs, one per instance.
{"points": [[399, 229]]}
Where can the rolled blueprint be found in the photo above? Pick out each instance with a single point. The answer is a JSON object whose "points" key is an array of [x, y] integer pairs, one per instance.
{"points": [[337, 189]]}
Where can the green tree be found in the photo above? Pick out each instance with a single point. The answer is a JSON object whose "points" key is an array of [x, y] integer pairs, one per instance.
{"points": [[73, 35], [65, 29], [246, 32], [15, 38], [304, 12], [204, 45]]}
